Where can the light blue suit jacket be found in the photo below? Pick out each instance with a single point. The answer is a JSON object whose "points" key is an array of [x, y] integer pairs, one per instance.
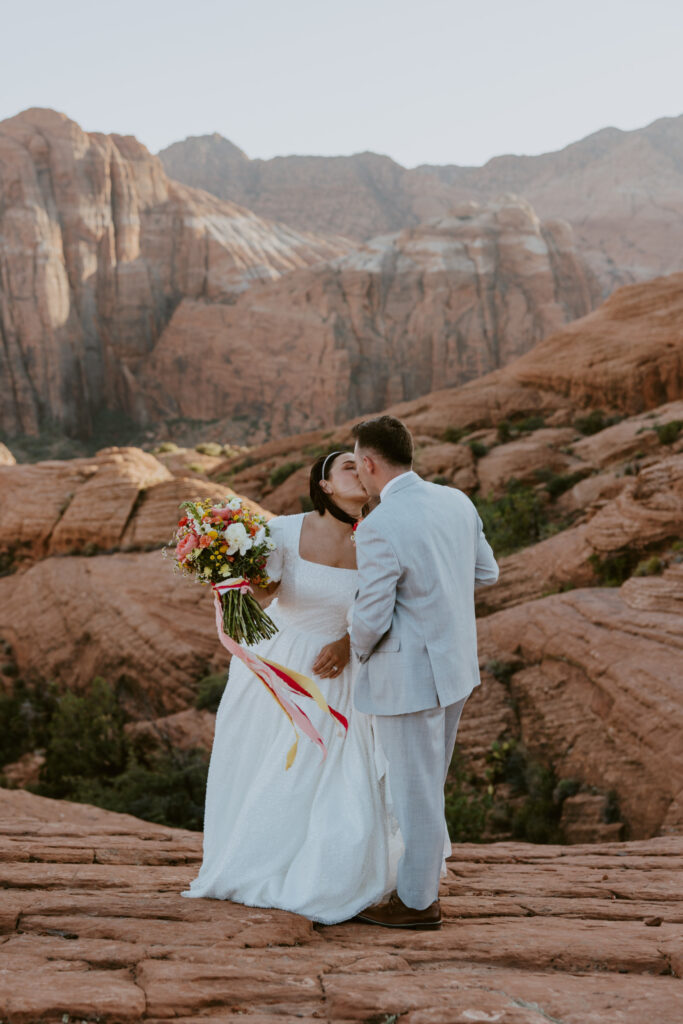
{"points": [[420, 554]]}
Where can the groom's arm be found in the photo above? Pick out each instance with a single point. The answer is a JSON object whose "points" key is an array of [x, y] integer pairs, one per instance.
{"points": [[378, 574], [486, 567]]}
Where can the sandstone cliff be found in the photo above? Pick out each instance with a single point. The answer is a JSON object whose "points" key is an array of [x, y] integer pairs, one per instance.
{"points": [[99, 248], [432, 306], [622, 192]]}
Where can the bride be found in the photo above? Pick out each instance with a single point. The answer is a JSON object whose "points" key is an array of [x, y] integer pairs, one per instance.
{"points": [[319, 839]]}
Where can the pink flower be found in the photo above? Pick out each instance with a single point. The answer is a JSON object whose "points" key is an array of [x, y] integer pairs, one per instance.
{"points": [[205, 542], [222, 513], [185, 545]]}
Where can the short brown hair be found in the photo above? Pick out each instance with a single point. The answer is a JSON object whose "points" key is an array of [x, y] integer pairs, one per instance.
{"points": [[387, 437]]}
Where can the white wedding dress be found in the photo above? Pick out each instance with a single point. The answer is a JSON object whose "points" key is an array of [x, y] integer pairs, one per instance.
{"points": [[319, 839]]}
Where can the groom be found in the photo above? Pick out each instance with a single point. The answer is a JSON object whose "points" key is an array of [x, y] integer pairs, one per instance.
{"points": [[420, 554]]}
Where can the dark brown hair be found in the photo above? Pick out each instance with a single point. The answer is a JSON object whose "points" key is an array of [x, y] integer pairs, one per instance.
{"points": [[387, 437], [322, 502]]}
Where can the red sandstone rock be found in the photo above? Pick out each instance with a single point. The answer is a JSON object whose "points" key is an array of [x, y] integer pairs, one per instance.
{"points": [[120, 246], [185, 730], [622, 191], [93, 918]]}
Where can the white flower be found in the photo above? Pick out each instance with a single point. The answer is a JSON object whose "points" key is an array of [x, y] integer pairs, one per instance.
{"points": [[270, 544], [237, 539], [259, 536], [234, 504]]}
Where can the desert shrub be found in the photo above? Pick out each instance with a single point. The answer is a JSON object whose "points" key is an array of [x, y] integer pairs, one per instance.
{"points": [[504, 431], [614, 569], [516, 795], [668, 432], [514, 520], [503, 671], [164, 448], [478, 449], [88, 758], [211, 448], [314, 450], [196, 467], [281, 473], [443, 481], [530, 423], [305, 503], [169, 790], [557, 483], [594, 422], [649, 567], [210, 691], [453, 434], [25, 715], [468, 804], [86, 739]]}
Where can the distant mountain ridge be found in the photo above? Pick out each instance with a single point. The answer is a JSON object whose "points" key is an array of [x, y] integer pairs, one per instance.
{"points": [[622, 191]]}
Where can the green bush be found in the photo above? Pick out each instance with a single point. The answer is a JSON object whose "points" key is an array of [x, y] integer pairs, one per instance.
{"points": [[453, 434], [211, 448], [88, 757], [615, 569], [165, 447], [556, 483], [513, 521], [86, 740], [594, 422], [306, 503], [668, 432], [649, 567], [467, 804], [504, 431], [210, 692], [478, 449], [281, 473], [25, 716], [530, 423]]}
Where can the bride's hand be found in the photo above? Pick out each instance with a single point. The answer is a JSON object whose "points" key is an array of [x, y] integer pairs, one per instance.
{"points": [[333, 658]]}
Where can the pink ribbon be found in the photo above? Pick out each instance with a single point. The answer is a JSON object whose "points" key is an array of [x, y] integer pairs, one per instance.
{"points": [[278, 683]]}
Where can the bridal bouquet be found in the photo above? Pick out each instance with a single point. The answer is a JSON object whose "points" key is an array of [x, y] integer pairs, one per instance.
{"points": [[226, 545], [223, 544]]}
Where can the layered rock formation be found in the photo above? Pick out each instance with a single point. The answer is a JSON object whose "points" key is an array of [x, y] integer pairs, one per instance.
{"points": [[622, 191], [99, 247], [92, 921], [88, 592], [432, 306]]}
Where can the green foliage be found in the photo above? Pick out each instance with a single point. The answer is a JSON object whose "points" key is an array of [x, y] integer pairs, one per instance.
{"points": [[556, 483], [281, 473], [164, 448], [169, 790], [478, 449], [503, 671], [668, 432], [443, 481], [453, 434], [594, 422], [467, 804], [615, 569], [649, 567], [211, 448], [513, 521], [88, 758], [86, 739], [210, 691], [196, 467], [306, 503], [517, 795], [314, 450], [504, 431], [530, 423], [25, 715]]}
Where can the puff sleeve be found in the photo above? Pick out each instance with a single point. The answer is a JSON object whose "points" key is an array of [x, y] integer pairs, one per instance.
{"points": [[276, 559]]}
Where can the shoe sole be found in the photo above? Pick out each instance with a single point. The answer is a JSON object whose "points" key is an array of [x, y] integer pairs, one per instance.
{"points": [[427, 926]]}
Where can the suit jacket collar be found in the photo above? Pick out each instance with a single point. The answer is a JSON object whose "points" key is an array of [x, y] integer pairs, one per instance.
{"points": [[405, 480]]}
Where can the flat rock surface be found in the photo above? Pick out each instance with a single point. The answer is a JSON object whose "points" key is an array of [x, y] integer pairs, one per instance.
{"points": [[93, 927]]}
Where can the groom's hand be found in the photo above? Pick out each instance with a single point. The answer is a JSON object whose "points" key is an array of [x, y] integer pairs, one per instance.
{"points": [[333, 659]]}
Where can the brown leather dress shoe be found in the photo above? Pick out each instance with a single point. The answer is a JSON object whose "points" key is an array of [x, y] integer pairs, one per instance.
{"points": [[395, 914]]}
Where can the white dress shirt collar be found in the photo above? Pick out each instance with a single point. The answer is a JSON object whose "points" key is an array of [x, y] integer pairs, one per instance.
{"points": [[390, 483]]}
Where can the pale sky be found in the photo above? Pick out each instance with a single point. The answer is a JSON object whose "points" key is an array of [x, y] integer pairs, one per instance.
{"points": [[423, 81]]}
